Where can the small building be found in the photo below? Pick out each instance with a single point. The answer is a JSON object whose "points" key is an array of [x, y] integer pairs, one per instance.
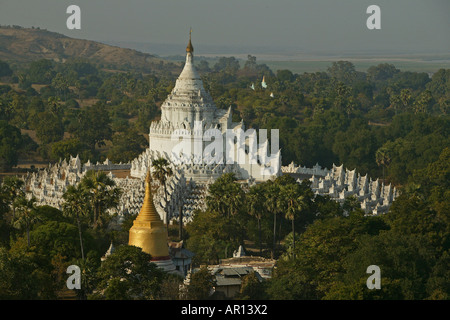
{"points": [[229, 280], [262, 266], [181, 257], [229, 273]]}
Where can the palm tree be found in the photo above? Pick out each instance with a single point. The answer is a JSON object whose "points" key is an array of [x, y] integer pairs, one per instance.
{"points": [[350, 106], [394, 99], [271, 205], [161, 172], [406, 98], [255, 203], [12, 186], [27, 214], [4, 203], [215, 200], [423, 102], [76, 205], [292, 198], [102, 193], [444, 104], [342, 95], [233, 198], [55, 107], [225, 195], [382, 158]]}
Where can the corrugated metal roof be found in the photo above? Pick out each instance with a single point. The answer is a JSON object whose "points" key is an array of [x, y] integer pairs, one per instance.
{"points": [[224, 281], [241, 271]]}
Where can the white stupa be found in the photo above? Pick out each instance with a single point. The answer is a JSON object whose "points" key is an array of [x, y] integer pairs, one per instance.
{"points": [[190, 114]]}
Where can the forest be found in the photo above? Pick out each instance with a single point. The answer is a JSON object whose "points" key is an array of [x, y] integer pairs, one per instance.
{"points": [[388, 123]]}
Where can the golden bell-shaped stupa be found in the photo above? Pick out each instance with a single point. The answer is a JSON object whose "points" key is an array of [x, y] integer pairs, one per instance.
{"points": [[148, 231]]}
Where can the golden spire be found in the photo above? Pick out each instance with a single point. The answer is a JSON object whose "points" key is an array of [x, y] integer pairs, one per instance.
{"points": [[189, 47], [148, 231], [148, 211]]}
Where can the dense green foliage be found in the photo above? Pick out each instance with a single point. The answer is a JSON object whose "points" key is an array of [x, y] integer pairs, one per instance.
{"points": [[335, 244], [11, 142], [128, 274], [38, 243]]}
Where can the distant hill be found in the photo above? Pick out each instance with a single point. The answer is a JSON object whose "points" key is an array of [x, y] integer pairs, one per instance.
{"points": [[22, 45]]}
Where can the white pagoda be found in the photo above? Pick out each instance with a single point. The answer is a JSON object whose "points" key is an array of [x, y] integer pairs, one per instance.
{"points": [[209, 136]]}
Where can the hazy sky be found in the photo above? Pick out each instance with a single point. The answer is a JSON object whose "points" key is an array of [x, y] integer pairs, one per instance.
{"points": [[410, 26]]}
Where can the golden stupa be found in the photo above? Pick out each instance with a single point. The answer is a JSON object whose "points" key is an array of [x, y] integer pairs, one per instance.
{"points": [[148, 231]]}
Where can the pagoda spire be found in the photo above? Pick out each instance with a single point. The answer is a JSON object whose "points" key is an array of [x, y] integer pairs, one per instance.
{"points": [[189, 47], [148, 210]]}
